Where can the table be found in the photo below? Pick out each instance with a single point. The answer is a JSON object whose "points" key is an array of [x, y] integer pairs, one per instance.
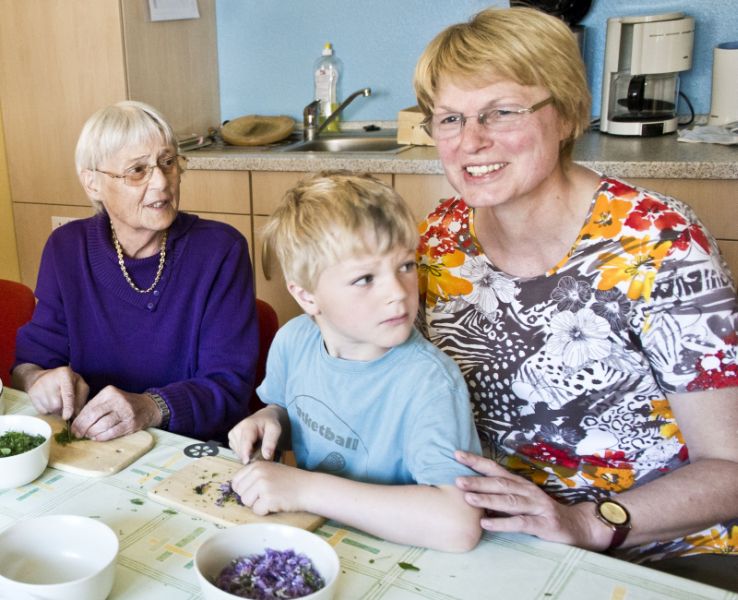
{"points": [[157, 545]]}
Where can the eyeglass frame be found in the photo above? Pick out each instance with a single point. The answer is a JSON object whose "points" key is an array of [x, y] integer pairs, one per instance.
{"points": [[482, 117], [180, 162]]}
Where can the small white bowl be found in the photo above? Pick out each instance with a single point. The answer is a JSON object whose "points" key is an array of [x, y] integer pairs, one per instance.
{"points": [[57, 557], [23, 468], [221, 548]]}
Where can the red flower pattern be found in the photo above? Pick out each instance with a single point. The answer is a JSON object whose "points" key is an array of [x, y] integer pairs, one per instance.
{"points": [[650, 212], [725, 375], [693, 233]]}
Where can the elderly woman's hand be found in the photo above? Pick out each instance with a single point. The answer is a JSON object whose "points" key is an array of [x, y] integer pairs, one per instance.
{"points": [[517, 505], [58, 391], [113, 413]]}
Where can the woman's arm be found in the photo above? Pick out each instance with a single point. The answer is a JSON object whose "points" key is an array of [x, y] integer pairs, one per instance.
{"points": [[684, 501], [217, 395], [418, 515]]}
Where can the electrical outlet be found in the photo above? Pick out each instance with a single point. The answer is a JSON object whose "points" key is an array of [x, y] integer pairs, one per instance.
{"points": [[59, 221]]}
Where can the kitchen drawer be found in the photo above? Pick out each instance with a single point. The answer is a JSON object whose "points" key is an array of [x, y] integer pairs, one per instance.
{"points": [[423, 192], [215, 192], [269, 187]]}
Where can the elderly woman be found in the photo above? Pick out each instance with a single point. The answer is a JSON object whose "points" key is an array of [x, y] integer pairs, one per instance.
{"points": [[594, 322], [145, 315]]}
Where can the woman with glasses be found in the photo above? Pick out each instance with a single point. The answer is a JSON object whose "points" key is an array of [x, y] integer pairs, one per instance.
{"points": [[145, 315], [594, 322]]}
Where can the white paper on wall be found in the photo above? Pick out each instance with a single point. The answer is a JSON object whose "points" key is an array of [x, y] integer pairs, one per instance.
{"points": [[173, 10]]}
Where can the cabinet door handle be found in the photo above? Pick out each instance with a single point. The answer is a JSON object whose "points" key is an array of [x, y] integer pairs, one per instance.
{"points": [[265, 259]]}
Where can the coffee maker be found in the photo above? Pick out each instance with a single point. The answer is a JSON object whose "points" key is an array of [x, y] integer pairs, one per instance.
{"points": [[640, 81]]}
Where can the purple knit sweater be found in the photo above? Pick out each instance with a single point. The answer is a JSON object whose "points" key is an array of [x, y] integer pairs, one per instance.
{"points": [[193, 340]]}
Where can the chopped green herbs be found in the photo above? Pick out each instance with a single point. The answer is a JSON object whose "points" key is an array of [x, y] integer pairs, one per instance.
{"points": [[407, 566], [18, 442], [65, 436], [137, 501]]}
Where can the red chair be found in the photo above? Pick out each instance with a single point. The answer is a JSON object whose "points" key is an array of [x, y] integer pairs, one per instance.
{"points": [[16, 308], [268, 325]]}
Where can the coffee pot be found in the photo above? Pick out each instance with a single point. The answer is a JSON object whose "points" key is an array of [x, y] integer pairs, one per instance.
{"points": [[640, 82]]}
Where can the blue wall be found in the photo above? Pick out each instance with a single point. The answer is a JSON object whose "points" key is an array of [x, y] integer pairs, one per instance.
{"points": [[267, 48]]}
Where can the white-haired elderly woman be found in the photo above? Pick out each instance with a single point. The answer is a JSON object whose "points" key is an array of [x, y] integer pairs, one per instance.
{"points": [[145, 315], [594, 322]]}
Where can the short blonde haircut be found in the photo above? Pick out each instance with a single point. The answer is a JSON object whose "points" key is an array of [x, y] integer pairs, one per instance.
{"points": [[114, 127], [524, 45], [333, 215]]}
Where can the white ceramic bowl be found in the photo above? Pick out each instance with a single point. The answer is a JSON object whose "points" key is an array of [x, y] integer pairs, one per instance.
{"points": [[23, 468], [243, 540], [57, 557]]}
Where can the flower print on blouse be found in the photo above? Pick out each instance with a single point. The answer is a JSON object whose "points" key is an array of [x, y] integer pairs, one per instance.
{"points": [[568, 372]]}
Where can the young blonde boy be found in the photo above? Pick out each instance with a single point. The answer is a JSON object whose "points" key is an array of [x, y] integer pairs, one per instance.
{"points": [[372, 411]]}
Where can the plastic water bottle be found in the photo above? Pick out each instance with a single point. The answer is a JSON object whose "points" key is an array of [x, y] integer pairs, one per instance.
{"points": [[327, 71]]}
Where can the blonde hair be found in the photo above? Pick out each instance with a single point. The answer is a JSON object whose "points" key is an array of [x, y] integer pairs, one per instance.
{"points": [[524, 45], [114, 127], [332, 215]]}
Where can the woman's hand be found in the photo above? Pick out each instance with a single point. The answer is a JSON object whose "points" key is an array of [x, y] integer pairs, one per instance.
{"points": [[268, 487], [515, 504], [58, 391], [113, 413], [265, 426]]}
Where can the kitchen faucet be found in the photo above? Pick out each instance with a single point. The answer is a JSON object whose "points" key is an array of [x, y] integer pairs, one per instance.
{"points": [[311, 113]]}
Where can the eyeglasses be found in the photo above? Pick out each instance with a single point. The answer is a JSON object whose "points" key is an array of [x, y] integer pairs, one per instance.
{"points": [[141, 174], [504, 118]]}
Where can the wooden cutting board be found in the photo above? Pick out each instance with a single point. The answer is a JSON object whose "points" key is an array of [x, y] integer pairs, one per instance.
{"points": [[178, 491], [95, 459]]}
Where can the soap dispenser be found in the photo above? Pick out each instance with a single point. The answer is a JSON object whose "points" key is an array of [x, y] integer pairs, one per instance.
{"points": [[327, 70]]}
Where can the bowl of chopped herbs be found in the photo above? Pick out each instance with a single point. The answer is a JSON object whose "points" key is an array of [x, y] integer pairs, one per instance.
{"points": [[266, 561], [24, 449]]}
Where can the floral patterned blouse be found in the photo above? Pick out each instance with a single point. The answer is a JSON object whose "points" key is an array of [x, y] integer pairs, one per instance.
{"points": [[569, 371]]}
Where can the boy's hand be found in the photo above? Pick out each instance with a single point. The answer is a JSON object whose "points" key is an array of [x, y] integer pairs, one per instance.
{"points": [[262, 426], [268, 487]]}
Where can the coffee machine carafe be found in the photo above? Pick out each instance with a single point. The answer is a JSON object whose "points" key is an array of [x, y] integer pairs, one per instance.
{"points": [[640, 82]]}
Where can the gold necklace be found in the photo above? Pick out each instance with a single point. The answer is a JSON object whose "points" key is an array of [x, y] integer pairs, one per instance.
{"points": [[162, 257]]}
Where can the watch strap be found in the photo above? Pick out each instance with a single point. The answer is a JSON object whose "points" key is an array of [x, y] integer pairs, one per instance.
{"points": [[620, 530], [163, 407]]}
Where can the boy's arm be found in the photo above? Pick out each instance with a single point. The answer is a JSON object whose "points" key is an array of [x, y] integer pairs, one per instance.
{"points": [[417, 515]]}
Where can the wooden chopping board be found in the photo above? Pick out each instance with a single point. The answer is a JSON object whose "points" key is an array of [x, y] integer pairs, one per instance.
{"points": [[95, 459], [178, 491]]}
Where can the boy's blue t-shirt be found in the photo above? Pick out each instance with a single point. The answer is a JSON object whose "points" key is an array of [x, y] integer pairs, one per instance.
{"points": [[393, 420]]}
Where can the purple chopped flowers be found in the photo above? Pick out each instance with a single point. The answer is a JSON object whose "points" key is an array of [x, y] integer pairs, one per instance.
{"points": [[274, 575]]}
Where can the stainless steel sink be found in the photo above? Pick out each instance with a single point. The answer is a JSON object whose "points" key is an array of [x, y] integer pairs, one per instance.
{"points": [[348, 143]]}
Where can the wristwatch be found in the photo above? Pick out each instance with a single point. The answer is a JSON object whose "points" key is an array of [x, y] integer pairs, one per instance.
{"points": [[163, 409], [616, 517]]}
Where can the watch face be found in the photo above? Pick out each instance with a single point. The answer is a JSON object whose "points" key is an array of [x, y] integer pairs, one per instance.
{"points": [[613, 512]]}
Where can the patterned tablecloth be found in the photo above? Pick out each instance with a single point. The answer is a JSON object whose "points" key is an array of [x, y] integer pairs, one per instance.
{"points": [[157, 545]]}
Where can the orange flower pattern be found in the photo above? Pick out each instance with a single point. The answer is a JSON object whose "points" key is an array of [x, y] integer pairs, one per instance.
{"points": [[569, 372]]}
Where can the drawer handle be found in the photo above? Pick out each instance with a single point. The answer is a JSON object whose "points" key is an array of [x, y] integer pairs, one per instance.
{"points": [[265, 259]]}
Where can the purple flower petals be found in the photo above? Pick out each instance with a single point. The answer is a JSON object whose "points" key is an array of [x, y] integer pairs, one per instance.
{"points": [[274, 575]]}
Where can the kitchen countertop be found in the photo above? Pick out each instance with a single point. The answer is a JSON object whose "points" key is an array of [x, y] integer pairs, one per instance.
{"points": [[618, 156]]}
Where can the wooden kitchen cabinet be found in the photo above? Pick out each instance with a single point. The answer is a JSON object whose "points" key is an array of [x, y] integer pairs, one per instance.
{"points": [[714, 201], [268, 188], [60, 60], [34, 223], [423, 192]]}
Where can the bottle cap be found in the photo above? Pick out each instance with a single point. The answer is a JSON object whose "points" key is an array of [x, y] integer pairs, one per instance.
{"points": [[327, 49]]}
